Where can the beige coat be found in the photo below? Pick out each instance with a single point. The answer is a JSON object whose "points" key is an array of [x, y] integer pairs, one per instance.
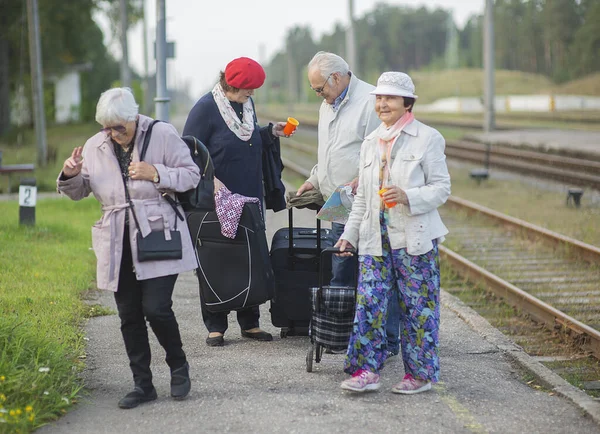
{"points": [[340, 135], [101, 176], [419, 168]]}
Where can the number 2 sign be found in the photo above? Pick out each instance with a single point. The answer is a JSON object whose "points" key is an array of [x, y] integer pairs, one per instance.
{"points": [[27, 195]]}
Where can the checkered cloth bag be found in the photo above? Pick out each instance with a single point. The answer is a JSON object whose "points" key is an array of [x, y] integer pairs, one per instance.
{"points": [[332, 315]]}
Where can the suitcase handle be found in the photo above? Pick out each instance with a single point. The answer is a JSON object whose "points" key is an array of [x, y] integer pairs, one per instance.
{"points": [[332, 251], [291, 233]]}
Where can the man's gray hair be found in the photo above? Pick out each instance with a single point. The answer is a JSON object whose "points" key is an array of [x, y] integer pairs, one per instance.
{"points": [[328, 63], [116, 106]]}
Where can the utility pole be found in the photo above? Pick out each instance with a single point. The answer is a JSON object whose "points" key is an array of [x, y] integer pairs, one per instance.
{"points": [[147, 105], [125, 71], [351, 40], [488, 60], [37, 88], [162, 99], [262, 96], [292, 81]]}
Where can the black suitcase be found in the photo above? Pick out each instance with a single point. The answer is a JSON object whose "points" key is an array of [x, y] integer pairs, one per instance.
{"points": [[295, 258], [233, 273]]}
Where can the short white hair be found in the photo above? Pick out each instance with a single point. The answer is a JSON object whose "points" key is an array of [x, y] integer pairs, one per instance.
{"points": [[328, 63], [116, 106]]}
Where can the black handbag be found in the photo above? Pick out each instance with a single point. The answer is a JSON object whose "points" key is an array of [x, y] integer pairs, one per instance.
{"points": [[155, 246]]}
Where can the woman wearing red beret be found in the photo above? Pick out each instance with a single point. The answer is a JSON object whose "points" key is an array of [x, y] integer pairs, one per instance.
{"points": [[225, 121]]}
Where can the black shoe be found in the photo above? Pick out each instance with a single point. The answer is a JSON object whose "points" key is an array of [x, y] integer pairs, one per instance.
{"points": [[217, 341], [180, 382], [259, 336], [137, 397]]}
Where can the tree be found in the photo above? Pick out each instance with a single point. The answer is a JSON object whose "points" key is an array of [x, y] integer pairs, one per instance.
{"points": [[69, 36], [560, 20], [586, 43]]}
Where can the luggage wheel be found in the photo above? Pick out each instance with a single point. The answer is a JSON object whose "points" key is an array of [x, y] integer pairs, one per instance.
{"points": [[309, 358], [283, 333], [318, 352]]}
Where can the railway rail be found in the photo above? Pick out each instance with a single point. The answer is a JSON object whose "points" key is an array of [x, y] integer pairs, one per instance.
{"points": [[553, 278], [576, 171]]}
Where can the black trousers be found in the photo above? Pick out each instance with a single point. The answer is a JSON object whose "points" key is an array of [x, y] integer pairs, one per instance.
{"points": [[217, 322], [151, 300]]}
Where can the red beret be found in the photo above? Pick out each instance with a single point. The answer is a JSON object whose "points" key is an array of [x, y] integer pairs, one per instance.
{"points": [[244, 73]]}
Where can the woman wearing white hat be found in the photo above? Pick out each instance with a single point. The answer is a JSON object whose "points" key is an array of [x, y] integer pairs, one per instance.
{"points": [[396, 227]]}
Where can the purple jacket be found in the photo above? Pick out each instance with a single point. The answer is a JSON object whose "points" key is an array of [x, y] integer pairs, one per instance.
{"points": [[101, 176]]}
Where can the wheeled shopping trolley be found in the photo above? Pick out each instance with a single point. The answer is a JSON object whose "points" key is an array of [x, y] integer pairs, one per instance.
{"points": [[332, 316]]}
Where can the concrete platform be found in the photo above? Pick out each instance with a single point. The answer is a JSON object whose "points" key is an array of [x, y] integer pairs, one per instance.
{"points": [[566, 142], [254, 387]]}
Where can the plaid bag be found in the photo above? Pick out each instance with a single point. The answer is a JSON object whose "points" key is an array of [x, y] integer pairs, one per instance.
{"points": [[332, 317]]}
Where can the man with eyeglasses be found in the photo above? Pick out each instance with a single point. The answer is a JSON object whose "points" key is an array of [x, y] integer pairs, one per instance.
{"points": [[346, 116]]}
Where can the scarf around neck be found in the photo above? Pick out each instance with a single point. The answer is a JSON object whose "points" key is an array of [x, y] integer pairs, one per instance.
{"points": [[387, 138], [242, 129]]}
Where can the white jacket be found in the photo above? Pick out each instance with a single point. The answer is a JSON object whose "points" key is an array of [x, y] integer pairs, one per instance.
{"points": [[419, 168], [341, 134]]}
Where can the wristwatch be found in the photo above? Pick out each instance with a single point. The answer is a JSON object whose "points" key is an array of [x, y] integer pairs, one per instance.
{"points": [[156, 177]]}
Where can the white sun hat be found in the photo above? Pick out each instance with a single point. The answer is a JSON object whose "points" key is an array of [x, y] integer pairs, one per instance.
{"points": [[395, 84]]}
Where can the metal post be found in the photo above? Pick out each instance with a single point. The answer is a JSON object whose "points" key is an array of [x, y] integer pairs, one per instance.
{"points": [[292, 82], [37, 87], [262, 95], [147, 105], [125, 71], [162, 99], [350, 39], [488, 59]]}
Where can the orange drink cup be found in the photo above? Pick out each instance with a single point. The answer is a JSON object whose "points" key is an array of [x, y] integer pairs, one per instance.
{"points": [[291, 126], [387, 204]]}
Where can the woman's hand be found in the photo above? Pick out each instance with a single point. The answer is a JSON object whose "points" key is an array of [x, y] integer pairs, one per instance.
{"points": [[142, 171], [278, 129], [73, 164], [394, 194], [344, 246]]}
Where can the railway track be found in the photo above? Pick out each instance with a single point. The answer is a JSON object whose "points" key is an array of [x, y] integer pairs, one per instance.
{"points": [[553, 278], [575, 171]]}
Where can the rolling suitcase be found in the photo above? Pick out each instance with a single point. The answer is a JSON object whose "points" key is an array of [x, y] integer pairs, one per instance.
{"points": [[295, 258], [233, 273], [332, 314]]}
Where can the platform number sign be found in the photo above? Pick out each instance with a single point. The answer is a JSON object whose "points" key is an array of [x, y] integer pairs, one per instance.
{"points": [[27, 195]]}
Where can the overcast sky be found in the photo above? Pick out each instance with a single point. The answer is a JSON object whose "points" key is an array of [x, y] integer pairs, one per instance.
{"points": [[208, 34]]}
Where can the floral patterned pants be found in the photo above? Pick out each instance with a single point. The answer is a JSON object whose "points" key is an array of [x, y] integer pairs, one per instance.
{"points": [[417, 278]]}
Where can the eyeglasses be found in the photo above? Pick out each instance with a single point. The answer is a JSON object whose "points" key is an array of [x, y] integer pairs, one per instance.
{"points": [[120, 129], [320, 89]]}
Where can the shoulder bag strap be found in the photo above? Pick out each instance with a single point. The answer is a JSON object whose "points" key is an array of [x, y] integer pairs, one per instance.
{"points": [[142, 155]]}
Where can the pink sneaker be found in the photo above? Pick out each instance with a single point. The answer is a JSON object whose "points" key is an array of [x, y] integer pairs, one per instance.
{"points": [[409, 386], [361, 381]]}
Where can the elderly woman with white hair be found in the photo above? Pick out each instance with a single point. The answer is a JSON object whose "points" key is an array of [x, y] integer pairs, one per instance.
{"points": [[403, 179], [131, 194]]}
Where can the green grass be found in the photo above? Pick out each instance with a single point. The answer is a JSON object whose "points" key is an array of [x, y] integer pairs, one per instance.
{"points": [[19, 147], [44, 271], [434, 85]]}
